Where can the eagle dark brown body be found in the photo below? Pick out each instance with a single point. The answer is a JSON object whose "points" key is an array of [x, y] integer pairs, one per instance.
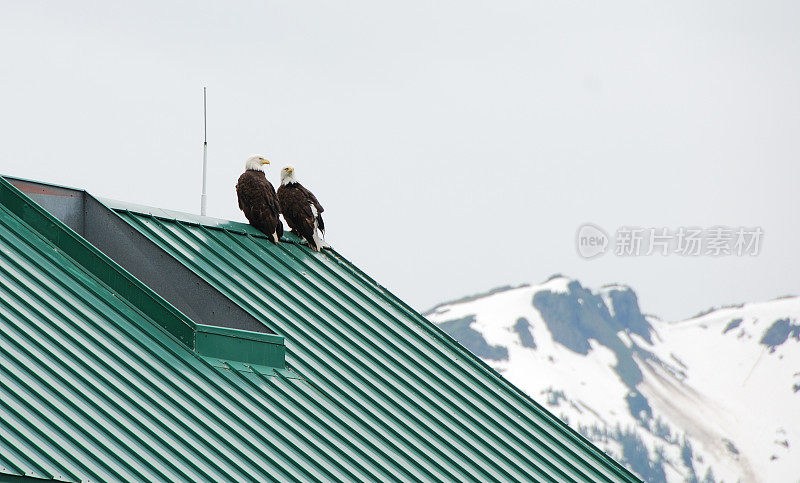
{"points": [[302, 212], [258, 201]]}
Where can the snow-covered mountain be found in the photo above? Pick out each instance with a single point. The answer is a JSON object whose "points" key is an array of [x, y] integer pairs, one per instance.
{"points": [[712, 398]]}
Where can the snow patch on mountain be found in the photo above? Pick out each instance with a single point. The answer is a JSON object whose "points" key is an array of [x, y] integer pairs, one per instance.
{"points": [[716, 396]]}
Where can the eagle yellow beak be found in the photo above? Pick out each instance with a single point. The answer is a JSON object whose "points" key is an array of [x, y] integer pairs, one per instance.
{"points": [[264, 161]]}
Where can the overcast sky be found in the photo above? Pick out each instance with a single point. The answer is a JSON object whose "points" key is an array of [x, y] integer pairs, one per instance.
{"points": [[456, 146]]}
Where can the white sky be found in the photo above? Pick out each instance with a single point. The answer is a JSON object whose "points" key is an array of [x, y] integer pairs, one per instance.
{"points": [[456, 146]]}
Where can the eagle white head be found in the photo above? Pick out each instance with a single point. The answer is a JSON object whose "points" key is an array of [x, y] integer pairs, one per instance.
{"points": [[256, 162], [287, 175]]}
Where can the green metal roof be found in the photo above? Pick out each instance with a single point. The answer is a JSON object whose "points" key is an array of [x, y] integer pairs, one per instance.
{"points": [[95, 384]]}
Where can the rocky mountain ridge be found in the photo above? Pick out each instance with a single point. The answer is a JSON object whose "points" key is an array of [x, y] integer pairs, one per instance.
{"points": [[712, 398]]}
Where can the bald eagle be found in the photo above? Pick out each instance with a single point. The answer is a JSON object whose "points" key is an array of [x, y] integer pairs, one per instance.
{"points": [[300, 209], [257, 199]]}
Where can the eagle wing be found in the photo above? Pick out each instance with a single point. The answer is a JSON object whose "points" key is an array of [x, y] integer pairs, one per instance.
{"points": [[258, 201], [313, 200], [296, 209]]}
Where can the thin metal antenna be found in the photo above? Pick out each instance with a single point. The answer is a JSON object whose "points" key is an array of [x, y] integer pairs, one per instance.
{"points": [[205, 157]]}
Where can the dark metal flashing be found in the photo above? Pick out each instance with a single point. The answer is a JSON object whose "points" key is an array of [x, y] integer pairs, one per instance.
{"points": [[104, 229]]}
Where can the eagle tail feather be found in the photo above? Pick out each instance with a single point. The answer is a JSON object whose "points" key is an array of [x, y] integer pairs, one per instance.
{"points": [[317, 245], [316, 242]]}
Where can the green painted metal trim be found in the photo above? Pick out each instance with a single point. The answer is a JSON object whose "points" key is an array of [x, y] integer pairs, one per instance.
{"points": [[218, 342], [44, 183], [6, 478], [242, 334], [240, 345]]}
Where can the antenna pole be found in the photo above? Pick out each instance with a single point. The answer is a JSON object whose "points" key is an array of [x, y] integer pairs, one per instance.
{"points": [[205, 157]]}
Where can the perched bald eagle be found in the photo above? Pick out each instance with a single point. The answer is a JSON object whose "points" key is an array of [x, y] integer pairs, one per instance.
{"points": [[300, 209], [257, 199]]}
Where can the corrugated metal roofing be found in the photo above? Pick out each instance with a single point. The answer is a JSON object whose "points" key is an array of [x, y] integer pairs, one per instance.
{"points": [[93, 389], [363, 346]]}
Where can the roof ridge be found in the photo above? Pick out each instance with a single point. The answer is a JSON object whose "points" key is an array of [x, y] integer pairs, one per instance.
{"points": [[197, 220]]}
